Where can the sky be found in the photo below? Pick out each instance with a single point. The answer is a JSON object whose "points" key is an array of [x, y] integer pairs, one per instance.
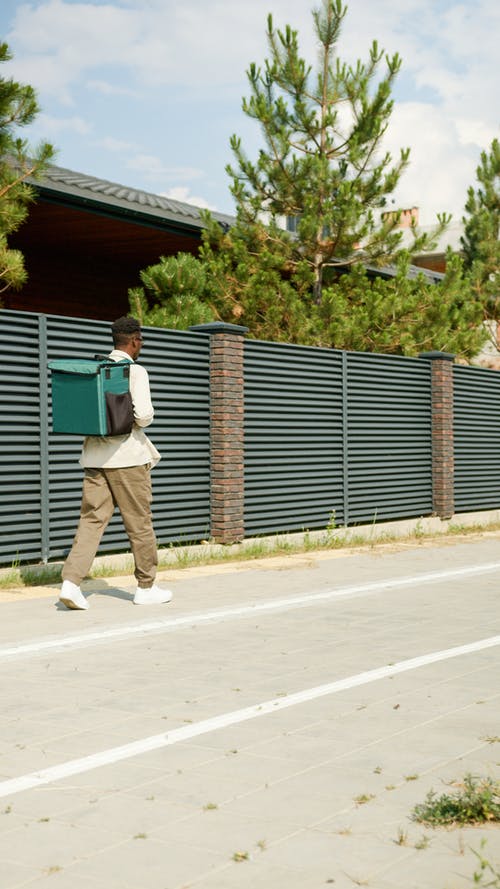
{"points": [[147, 93]]}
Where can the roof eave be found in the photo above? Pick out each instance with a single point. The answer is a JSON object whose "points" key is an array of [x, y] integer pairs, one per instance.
{"points": [[147, 217]]}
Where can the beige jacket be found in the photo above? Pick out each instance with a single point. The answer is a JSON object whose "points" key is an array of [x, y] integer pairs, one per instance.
{"points": [[135, 449]]}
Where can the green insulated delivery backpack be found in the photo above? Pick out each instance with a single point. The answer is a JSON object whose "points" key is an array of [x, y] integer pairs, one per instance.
{"points": [[91, 396]]}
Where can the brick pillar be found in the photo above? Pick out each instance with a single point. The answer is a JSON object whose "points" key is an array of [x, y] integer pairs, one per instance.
{"points": [[226, 430], [442, 433]]}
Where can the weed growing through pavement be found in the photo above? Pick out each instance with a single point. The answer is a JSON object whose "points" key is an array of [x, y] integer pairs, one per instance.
{"points": [[41, 576], [11, 576], [36, 575], [241, 856], [402, 837], [358, 881], [106, 570], [363, 798], [476, 801], [419, 530], [331, 526], [191, 554], [487, 875]]}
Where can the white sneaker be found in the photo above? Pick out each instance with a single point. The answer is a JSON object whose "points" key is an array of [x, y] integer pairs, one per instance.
{"points": [[153, 595], [72, 596]]}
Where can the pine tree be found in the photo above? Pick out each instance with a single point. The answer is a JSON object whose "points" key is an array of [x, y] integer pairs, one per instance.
{"points": [[171, 295], [249, 282], [403, 314], [322, 164], [18, 108], [480, 241]]}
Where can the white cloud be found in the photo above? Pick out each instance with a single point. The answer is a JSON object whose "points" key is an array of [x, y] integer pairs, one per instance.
{"points": [[168, 43], [154, 167], [169, 54], [57, 41], [82, 34], [110, 89], [109, 143], [210, 45], [182, 194], [45, 74], [475, 132], [55, 126], [440, 169]]}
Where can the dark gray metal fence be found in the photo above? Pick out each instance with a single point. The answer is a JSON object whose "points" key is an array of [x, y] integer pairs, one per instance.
{"points": [[22, 479], [476, 438], [293, 436], [39, 473], [329, 432], [389, 437]]}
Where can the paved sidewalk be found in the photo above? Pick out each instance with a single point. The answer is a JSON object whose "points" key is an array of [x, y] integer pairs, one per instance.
{"points": [[176, 749]]}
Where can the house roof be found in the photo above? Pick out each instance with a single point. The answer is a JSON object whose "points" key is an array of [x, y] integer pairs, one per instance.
{"points": [[80, 190], [449, 238], [111, 198], [390, 271]]}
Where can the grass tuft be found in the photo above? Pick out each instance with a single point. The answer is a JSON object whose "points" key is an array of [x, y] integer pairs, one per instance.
{"points": [[190, 554], [486, 875], [476, 801], [363, 798]]}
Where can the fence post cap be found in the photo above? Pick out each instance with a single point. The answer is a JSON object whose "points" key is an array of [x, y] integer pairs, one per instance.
{"points": [[438, 356], [219, 327]]}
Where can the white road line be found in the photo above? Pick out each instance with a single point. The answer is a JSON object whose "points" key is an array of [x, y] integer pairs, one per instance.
{"points": [[187, 732], [62, 643]]}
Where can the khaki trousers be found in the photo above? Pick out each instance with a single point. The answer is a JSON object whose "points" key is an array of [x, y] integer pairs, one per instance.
{"points": [[103, 489]]}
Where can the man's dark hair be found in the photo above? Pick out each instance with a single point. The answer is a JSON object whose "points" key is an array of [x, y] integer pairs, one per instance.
{"points": [[124, 328]]}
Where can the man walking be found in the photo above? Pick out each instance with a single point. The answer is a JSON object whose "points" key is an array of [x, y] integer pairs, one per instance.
{"points": [[118, 473]]}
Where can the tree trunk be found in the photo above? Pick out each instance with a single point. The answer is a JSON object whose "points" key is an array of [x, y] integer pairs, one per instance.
{"points": [[318, 279]]}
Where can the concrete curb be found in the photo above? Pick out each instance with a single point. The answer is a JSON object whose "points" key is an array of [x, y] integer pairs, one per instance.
{"points": [[120, 566]]}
